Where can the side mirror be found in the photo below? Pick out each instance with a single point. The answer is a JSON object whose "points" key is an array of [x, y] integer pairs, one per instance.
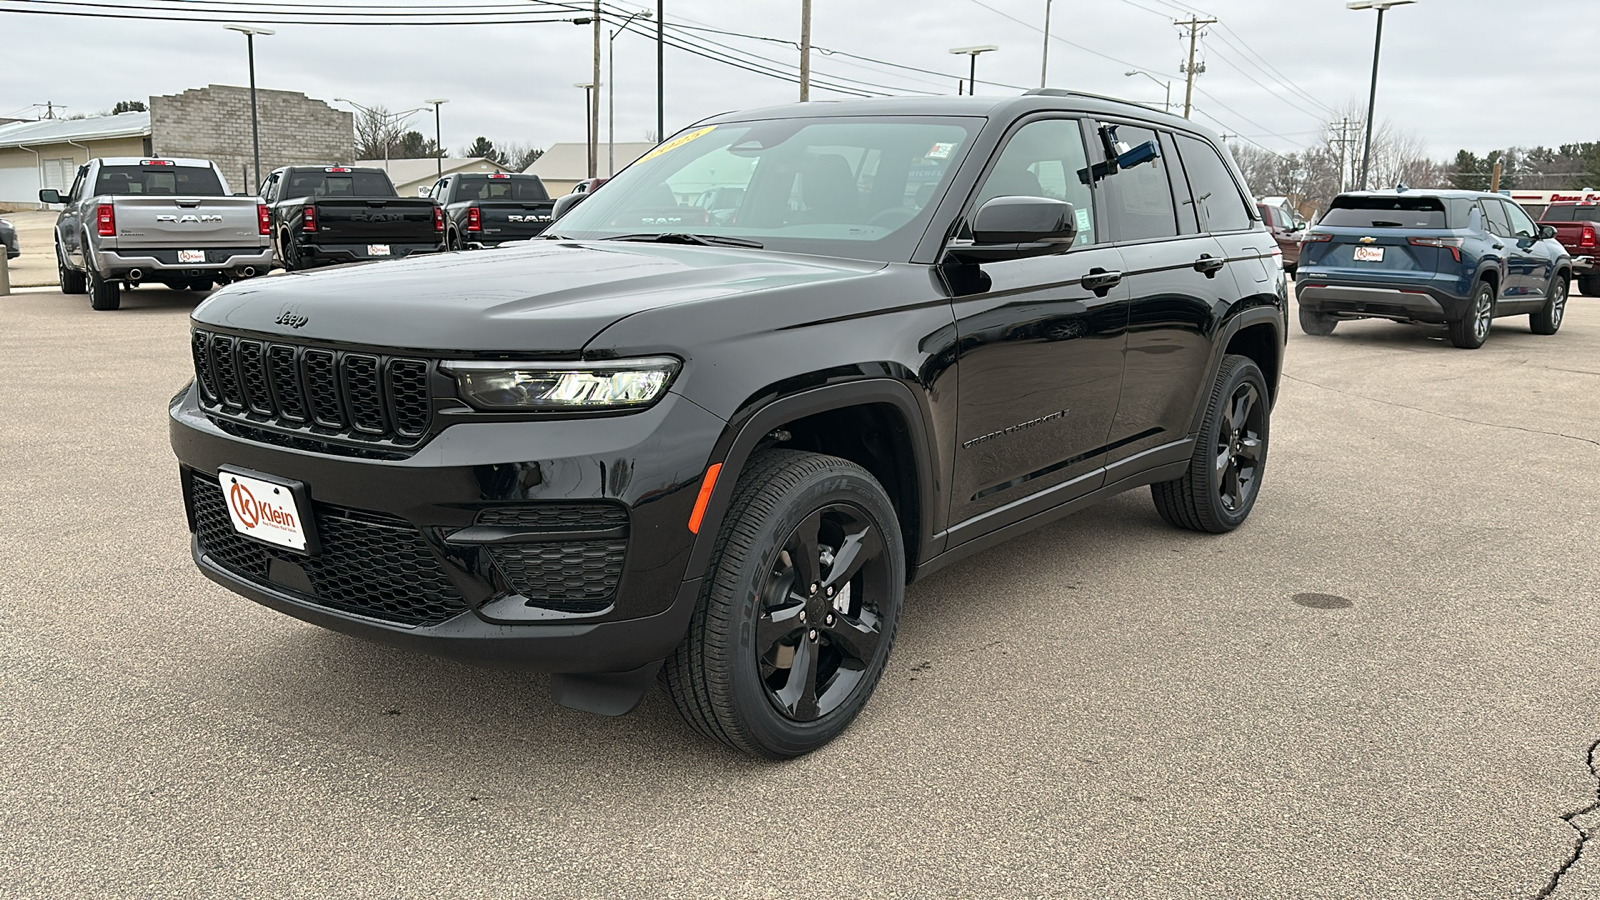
{"points": [[1018, 228], [566, 204], [1546, 232], [50, 196]]}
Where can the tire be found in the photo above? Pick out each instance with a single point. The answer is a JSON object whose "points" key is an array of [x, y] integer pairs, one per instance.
{"points": [[1319, 324], [1470, 333], [103, 295], [757, 608], [453, 243], [1589, 285], [1217, 498], [72, 281], [291, 254], [1548, 319]]}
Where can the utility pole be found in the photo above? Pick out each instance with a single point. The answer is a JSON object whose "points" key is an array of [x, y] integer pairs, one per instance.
{"points": [[1343, 140], [1194, 24], [594, 106], [1044, 58], [805, 50], [661, 67]]}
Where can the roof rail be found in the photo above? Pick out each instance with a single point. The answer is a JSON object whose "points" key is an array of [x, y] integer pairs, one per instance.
{"points": [[1063, 92]]}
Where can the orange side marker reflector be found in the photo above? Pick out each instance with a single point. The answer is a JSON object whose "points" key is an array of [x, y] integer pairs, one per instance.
{"points": [[704, 498]]}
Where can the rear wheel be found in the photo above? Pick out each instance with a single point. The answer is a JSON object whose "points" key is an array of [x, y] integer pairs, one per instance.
{"points": [[72, 281], [1319, 324], [290, 253], [1224, 477], [798, 613], [1589, 285], [1548, 319], [1470, 332], [103, 295]]}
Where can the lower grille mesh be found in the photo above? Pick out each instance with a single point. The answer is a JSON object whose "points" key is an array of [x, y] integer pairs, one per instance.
{"points": [[572, 576], [371, 564]]}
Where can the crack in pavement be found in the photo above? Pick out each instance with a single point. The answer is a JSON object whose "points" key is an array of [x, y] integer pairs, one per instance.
{"points": [[1583, 831], [1570, 437]]}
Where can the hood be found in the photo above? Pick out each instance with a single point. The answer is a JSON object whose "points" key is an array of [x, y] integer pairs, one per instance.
{"points": [[542, 297]]}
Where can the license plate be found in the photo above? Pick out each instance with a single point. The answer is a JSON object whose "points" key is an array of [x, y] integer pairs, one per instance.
{"points": [[267, 509], [191, 256], [377, 249], [1369, 254]]}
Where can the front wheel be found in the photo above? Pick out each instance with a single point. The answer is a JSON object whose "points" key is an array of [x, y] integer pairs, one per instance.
{"points": [[1469, 333], [1548, 319], [1224, 477], [799, 608], [72, 281]]}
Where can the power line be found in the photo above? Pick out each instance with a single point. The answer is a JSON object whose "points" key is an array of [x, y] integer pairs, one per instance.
{"points": [[1073, 44]]}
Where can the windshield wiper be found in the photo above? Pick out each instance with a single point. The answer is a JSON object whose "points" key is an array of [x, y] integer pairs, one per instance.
{"points": [[680, 237]]}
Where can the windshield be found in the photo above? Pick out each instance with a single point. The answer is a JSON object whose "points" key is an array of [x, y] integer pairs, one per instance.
{"points": [[855, 187], [158, 181], [1586, 212], [1386, 212]]}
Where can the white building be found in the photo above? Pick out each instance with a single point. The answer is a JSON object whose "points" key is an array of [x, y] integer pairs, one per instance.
{"points": [[564, 165], [47, 153]]}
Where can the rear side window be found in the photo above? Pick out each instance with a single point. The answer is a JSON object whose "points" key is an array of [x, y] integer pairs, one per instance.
{"points": [[316, 183], [158, 181], [482, 187], [1586, 213], [1141, 196], [1496, 215], [1386, 212], [1216, 194]]}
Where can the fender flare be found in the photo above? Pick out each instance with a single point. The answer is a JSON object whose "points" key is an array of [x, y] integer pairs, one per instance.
{"points": [[1245, 318], [739, 441]]}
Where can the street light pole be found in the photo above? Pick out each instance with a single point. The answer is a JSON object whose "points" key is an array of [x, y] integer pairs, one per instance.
{"points": [[972, 72], [588, 108], [1044, 58], [594, 108], [250, 33], [661, 68], [438, 137], [805, 50], [1167, 106], [611, 91], [1382, 6]]}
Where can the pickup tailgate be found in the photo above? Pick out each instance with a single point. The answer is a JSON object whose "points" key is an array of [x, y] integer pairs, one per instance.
{"points": [[187, 222], [1577, 237], [512, 220], [399, 220]]}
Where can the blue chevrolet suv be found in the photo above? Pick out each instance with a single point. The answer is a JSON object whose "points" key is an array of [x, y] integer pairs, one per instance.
{"points": [[1456, 258]]}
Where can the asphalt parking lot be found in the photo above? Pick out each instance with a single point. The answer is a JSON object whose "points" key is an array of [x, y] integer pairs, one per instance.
{"points": [[1381, 686]]}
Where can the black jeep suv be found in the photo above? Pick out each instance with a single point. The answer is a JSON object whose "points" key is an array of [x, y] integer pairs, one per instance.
{"points": [[717, 449]]}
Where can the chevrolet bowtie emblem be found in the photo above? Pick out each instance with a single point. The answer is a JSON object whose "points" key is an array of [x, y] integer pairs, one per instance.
{"points": [[1369, 240]]}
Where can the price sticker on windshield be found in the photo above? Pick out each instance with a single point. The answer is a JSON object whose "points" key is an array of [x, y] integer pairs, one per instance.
{"points": [[677, 142]]}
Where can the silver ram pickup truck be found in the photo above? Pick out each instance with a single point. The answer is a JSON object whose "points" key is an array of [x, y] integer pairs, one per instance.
{"points": [[130, 220]]}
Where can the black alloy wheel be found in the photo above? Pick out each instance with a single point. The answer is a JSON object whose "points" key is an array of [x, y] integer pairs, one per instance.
{"points": [[1225, 471], [798, 610], [1548, 319], [71, 280], [1470, 332], [818, 631]]}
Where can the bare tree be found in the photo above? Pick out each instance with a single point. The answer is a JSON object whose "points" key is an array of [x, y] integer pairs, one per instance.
{"points": [[378, 133]]}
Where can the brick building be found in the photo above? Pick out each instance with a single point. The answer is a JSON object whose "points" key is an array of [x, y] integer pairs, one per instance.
{"points": [[214, 123]]}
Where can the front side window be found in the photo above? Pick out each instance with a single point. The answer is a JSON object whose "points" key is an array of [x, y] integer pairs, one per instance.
{"points": [[1141, 196], [158, 181], [856, 187], [1216, 195], [1521, 225], [1044, 159]]}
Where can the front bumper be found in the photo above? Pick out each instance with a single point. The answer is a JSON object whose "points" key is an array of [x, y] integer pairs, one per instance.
{"points": [[433, 505], [1420, 303], [117, 262]]}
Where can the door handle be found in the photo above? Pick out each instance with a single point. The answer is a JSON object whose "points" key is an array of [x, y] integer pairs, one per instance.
{"points": [[1100, 281], [1209, 264]]}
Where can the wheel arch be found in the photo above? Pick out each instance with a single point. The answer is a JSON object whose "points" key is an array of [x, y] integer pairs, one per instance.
{"points": [[875, 423], [1258, 332]]}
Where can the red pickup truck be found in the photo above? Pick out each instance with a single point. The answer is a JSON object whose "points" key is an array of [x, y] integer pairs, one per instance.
{"points": [[1577, 226]]}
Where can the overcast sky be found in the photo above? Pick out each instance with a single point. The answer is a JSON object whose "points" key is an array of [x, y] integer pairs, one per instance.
{"points": [[1479, 74]]}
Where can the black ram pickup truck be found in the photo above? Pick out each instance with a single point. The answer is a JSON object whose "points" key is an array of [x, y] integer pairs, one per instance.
{"points": [[337, 214], [487, 210], [630, 450]]}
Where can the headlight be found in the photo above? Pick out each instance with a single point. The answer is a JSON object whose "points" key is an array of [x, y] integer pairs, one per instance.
{"points": [[620, 384]]}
